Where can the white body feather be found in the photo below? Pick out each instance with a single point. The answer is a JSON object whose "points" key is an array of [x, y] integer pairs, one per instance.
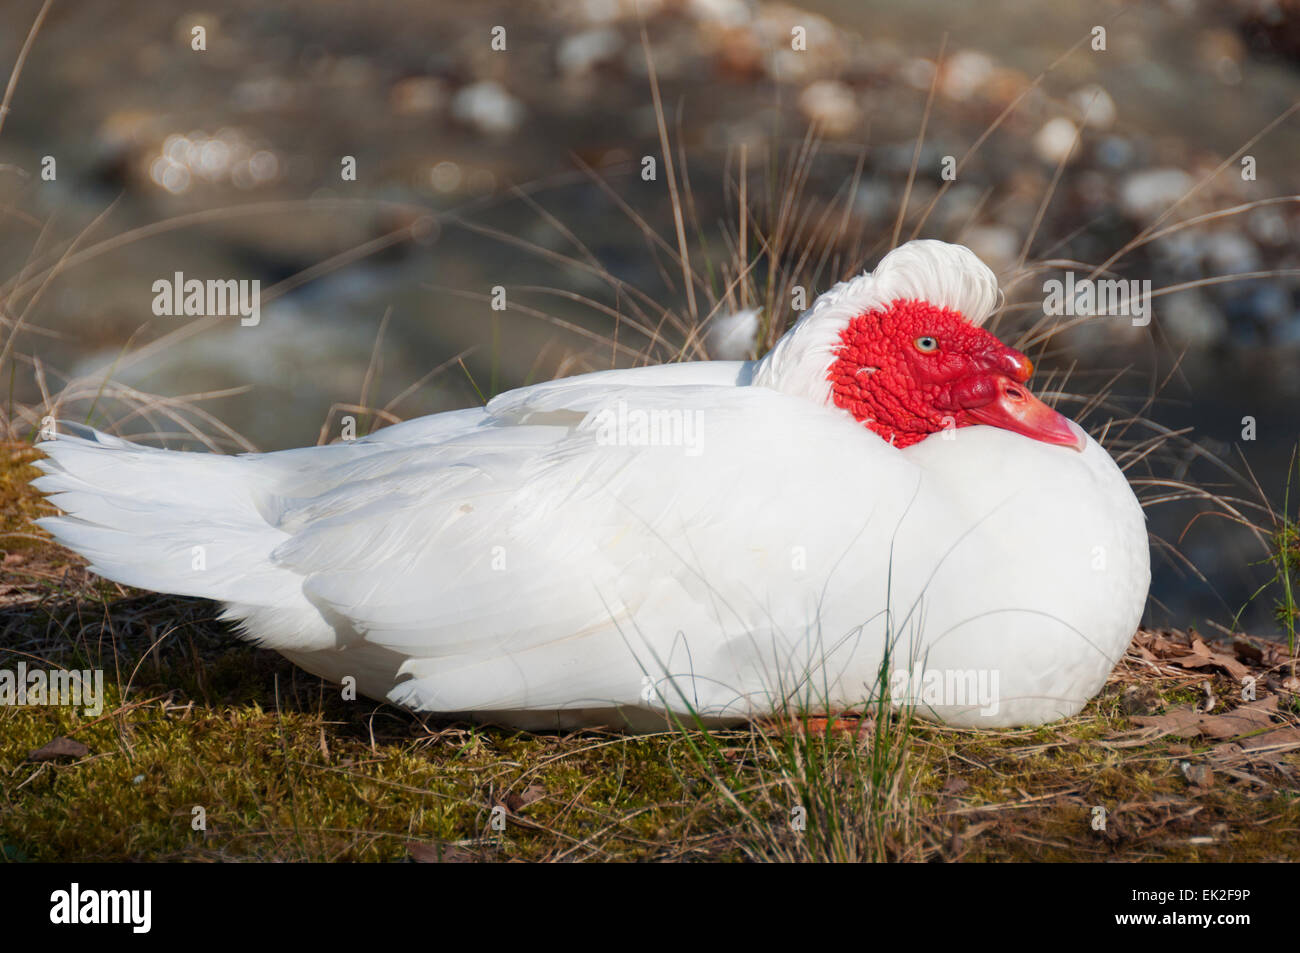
{"points": [[534, 562]]}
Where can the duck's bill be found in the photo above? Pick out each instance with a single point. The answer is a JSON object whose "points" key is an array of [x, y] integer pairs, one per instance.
{"points": [[1021, 412]]}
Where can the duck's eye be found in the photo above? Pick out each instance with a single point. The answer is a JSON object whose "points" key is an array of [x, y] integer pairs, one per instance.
{"points": [[926, 344]]}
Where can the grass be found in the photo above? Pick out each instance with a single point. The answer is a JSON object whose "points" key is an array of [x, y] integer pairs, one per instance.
{"points": [[1283, 557], [1286, 561], [283, 768]]}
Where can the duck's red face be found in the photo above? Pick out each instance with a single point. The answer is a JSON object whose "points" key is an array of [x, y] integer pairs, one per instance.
{"points": [[911, 369]]}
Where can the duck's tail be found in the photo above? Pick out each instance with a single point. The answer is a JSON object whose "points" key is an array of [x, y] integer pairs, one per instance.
{"points": [[185, 523]]}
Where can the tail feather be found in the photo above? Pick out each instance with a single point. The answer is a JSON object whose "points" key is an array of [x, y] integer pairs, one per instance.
{"points": [[186, 523]]}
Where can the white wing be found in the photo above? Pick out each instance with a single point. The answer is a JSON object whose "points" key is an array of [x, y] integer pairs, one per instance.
{"points": [[551, 559]]}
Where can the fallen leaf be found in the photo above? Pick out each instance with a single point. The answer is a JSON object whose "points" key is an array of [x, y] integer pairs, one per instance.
{"points": [[1271, 739], [1247, 652], [1145, 653], [1183, 722], [1225, 750], [1202, 656], [435, 853], [516, 801], [1166, 648], [59, 748], [1188, 722]]}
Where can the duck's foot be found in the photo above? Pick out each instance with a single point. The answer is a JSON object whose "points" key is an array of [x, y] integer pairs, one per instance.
{"points": [[847, 722]]}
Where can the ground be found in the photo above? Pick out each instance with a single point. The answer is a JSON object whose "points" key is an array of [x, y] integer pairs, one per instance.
{"points": [[210, 749]]}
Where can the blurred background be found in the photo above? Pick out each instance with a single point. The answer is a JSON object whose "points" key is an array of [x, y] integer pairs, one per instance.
{"points": [[522, 168]]}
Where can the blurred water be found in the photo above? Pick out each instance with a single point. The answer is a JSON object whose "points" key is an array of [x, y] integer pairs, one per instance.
{"points": [[437, 122]]}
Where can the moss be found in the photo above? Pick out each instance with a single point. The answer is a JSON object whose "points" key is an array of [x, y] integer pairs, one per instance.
{"points": [[19, 504], [284, 769]]}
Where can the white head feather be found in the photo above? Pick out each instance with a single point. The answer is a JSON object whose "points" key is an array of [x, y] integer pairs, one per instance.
{"points": [[947, 276]]}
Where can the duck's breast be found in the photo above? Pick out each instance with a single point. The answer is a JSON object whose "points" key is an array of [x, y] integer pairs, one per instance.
{"points": [[1041, 571]]}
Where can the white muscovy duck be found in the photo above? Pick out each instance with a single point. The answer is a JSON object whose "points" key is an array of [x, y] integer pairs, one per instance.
{"points": [[878, 498]]}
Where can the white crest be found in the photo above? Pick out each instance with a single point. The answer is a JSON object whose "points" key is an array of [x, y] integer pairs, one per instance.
{"points": [[947, 276]]}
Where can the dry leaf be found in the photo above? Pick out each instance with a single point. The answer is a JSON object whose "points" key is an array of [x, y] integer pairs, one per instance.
{"points": [[1188, 723], [1183, 722], [1145, 653], [1271, 739], [514, 802], [59, 748], [435, 853], [1202, 656], [1247, 653]]}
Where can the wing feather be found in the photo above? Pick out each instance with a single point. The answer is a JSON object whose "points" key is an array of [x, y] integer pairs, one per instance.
{"points": [[533, 562]]}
